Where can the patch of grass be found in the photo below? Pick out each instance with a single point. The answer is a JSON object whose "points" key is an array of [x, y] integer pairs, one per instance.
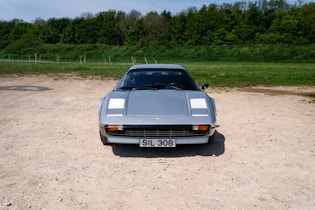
{"points": [[113, 70], [24, 50], [239, 74], [216, 74]]}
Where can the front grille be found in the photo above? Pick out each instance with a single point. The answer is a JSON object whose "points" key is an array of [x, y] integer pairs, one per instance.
{"points": [[158, 131]]}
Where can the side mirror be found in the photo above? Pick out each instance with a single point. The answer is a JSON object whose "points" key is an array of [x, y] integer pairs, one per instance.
{"points": [[204, 86]]}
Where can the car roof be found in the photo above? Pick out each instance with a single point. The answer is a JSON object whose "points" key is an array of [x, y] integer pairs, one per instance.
{"points": [[157, 66]]}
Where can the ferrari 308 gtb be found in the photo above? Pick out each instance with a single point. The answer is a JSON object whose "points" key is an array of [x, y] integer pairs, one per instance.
{"points": [[157, 105]]}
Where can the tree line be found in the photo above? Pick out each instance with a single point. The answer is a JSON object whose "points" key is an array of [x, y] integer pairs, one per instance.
{"points": [[241, 23]]}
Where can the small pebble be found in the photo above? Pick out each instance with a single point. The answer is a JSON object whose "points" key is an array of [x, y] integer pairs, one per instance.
{"points": [[8, 204]]}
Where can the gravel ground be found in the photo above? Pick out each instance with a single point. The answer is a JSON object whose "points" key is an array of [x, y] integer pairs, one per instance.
{"points": [[263, 156]]}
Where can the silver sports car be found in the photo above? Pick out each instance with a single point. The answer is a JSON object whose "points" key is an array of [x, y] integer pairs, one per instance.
{"points": [[157, 105]]}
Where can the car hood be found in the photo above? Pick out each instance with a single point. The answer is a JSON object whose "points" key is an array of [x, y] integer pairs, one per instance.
{"points": [[175, 104], [157, 103]]}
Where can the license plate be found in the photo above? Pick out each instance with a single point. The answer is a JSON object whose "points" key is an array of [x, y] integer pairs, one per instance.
{"points": [[157, 143]]}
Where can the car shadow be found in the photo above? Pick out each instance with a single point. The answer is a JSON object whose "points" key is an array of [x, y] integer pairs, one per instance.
{"points": [[215, 148]]}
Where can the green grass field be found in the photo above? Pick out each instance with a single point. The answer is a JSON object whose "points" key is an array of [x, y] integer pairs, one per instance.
{"points": [[216, 74]]}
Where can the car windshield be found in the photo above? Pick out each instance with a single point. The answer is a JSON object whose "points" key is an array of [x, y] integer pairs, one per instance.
{"points": [[148, 79]]}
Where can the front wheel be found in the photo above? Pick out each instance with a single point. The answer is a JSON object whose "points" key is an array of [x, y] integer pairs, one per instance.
{"points": [[211, 138], [104, 139]]}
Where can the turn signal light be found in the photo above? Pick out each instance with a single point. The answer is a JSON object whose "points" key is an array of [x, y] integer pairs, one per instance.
{"points": [[114, 127], [200, 127]]}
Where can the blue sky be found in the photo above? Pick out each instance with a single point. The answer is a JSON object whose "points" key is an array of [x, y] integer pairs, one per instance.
{"points": [[29, 10]]}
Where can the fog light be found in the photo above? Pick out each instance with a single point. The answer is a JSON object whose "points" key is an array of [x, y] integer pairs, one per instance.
{"points": [[200, 127]]}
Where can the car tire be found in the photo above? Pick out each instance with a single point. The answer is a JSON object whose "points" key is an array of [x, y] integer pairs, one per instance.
{"points": [[211, 138], [104, 139]]}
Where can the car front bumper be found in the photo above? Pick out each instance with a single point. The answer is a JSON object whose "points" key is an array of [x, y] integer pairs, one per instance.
{"points": [[126, 139], [133, 140]]}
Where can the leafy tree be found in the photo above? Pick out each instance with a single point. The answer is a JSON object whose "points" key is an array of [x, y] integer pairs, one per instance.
{"points": [[106, 27], [286, 27], [176, 31], [69, 33], [5, 30], [308, 22], [278, 5], [166, 18], [252, 23], [227, 26], [86, 31], [259, 22], [19, 30], [134, 36], [52, 31], [153, 27], [21, 46]]}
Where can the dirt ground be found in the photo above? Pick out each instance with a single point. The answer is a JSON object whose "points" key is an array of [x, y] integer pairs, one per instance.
{"points": [[263, 156]]}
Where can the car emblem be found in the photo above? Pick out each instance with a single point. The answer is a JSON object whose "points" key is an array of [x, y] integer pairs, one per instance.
{"points": [[157, 119]]}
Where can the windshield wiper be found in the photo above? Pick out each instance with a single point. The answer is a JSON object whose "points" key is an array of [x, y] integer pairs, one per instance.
{"points": [[157, 86], [129, 88]]}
